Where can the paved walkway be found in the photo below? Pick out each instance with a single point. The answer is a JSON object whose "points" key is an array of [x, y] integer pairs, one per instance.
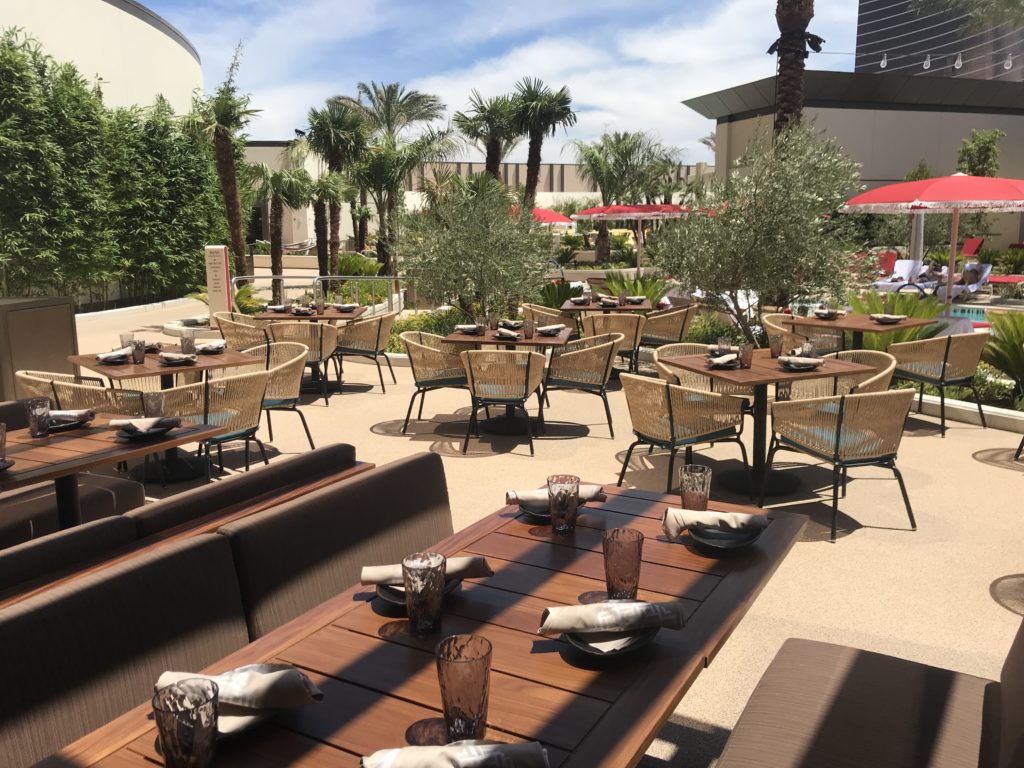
{"points": [[949, 594]]}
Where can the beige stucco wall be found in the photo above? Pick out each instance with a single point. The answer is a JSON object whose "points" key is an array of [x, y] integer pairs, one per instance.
{"points": [[133, 60], [889, 143]]}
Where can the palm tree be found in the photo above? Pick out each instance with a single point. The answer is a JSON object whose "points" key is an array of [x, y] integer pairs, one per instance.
{"points": [[327, 192], [219, 119], [539, 111], [339, 134], [491, 125], [287, 187], [389, 108], [793, 17]]}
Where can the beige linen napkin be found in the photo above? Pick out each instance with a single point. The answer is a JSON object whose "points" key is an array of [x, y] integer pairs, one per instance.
{"points": [[209, 347], [797, 360], [72, 417], [536, 499], [140, 426], [505, 333], [250, 693], [176, 357], [676, 521], [455, 568], [513, 325], [724, 359], [882, 317], [462, 754], [117, 354], [554, 328], [613, 624], [713, 349]]}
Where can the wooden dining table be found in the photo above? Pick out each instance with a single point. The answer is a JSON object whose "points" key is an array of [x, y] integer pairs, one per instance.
{"points": [[330, 313], [596, 306], [380, 684], [856, 325], [62, 455]]}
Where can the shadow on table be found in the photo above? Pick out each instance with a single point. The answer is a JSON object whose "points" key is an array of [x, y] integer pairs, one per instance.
{"points": [[999, 457], [691, 744]]}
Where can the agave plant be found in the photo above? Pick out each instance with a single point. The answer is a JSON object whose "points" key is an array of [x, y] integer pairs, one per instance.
{"points": [[654, 287], [555, 294], [896, 303], [1005, 348]]}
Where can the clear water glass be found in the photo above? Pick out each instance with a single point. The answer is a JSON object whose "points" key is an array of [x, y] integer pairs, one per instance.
{"points": [[153, 403], [746, 355], [563, 502], [724, 345], [126, 339], [186, 717], [138, 351], [807, 349], [464, 675], [528, 329], [188, 342], [623, 554], [38, 410], [695, 486], [423, 574], [775, 344]]}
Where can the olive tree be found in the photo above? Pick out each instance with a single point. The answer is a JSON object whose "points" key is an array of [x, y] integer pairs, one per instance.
{"points": [[469, 246], [769, 228]]}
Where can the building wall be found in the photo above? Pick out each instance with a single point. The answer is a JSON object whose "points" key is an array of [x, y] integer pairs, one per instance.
{"points": [[133, 53]]}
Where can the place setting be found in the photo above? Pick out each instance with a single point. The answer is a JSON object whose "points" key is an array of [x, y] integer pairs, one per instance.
{"points": [[886, 319], [728, 356], [805, 358], [710, 531], [411, 584], [141, 430], [559, 499]]}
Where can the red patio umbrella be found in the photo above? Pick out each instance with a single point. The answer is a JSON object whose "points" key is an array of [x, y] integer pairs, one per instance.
{"points": [[945, 194], [546, 216], [633, 212]]}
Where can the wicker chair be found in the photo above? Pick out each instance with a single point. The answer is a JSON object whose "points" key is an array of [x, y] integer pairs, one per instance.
{"points": [[627, 324], [668, 416], [667, 326], [319, 338], [502, 378], [692, 380], [585, 365], [860, 383], [541, 315], [239, 333], [285, 361], [242, 318], [434, 364], [71, 396], [848, 431], [944, 361], [40, 383], [825, 340], [366, 338]]}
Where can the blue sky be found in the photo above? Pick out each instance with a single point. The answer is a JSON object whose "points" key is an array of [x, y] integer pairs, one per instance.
{"points": [[627, 69]]}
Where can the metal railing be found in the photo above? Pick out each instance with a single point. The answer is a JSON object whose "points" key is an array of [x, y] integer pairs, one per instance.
{"points": [[378, 293]]}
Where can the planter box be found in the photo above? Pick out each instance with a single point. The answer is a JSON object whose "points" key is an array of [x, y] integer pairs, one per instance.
{"points": [[966, 412]]}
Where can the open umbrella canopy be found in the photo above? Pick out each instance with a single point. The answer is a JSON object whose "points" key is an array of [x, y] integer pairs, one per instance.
{"points": [[942, 195], [546, 216], [654, 211]]}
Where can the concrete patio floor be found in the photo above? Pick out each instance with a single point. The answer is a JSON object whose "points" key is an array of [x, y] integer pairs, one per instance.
{"points": [[950, 594]]}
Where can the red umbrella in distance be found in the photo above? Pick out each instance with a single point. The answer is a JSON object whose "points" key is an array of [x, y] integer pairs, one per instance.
{"points": [[636, 212], [546, 216], [945, 194]]}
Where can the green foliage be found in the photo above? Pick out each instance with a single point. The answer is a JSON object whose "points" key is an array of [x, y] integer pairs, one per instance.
{"points": [[896, 303], [709, 327], [622, 251], [991, 386], [1005, 348], [979, 154], [90, 196], [628, 167], [567, 249], [357, 264], [653, 286], [467, 247], [1010, 262], [770, 228], [555, 294], [440, 323]]}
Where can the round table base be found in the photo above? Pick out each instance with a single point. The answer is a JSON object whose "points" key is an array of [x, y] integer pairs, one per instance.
{"points": [[738, 481]]}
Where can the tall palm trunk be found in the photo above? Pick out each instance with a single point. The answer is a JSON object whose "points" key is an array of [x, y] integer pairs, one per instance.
{"points": [[532, 169], [603, 243], [335, 236], [383, 255], [276, 244], [354, 216], [363, 223], [793, 17], [492, 161], [320, 230], [224, 155]]}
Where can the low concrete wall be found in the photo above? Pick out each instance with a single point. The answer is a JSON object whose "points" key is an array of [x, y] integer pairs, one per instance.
{"points": [[967, 412]]}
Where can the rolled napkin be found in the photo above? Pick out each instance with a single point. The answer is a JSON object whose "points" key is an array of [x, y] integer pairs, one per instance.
{"points": [[466, 328], [802, 361], [71, 417], [176, 357], [455, 568], [513, 325], [142, 426], [609, 302], [610, 616], [551, 329], [881, 317], [250, 693], [579, 300], [277, 307], [713, 349], [636, 299], [724, 359], [505, 333], [154, 346], [117, 354], [211, 347], [303, 311], [536, 499], [345, 307], [676, 521], [461, 754]]}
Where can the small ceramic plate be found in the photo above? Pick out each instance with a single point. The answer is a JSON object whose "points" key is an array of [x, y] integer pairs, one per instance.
{"points": [[6, 464], [730, 366], [155, 347], [68, 426], [887, 320], [585, 642], [213, 351], [141, 437], [549, 333], [716, 539], [176, 363], [396, 595], [114, 360], [797, 368], [538, 515], [579, 300]]}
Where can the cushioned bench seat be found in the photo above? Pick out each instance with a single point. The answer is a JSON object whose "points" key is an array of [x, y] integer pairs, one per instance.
{"points": [[820, 705]]}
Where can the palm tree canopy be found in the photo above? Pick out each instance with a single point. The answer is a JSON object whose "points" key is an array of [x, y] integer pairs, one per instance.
{"points": [[541, 110], [291, 185], [488, 119], [389, 108], [627, 167], [225, 109], [388, 161], [339, 133], [333, 188]]}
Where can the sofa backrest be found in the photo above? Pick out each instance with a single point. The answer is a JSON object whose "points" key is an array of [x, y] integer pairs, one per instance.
{"points": [[1011, 705], [294, 556], [81, 654], [54, 553], [213, 497], [13, 414]]}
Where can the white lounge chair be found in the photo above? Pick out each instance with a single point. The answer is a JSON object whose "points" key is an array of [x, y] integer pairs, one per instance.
{"points": [[907, 270], [961, 290]]}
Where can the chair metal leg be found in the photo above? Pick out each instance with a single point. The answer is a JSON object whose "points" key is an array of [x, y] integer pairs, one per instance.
{"points": [[270, 426], [920, 397], [906, 498], [689, 454], [540, 413], [161, 471], [625, 462], [323, 385], [423, 397], [835, 500], [844, 482], [263, 450], [772, 450], [529, 427], [390, 369], [408, 412], [671, 466], [942, 410], [1020, 450], [607, 412], [469, 429], [209, 464], [247, 454], [977, 401], [220, 456], [380, 373], [305, 426]]}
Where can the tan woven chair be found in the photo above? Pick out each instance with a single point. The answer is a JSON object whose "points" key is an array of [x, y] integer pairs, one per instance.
{"points": [[944, 361], [40, 383], [825, 340], [502, 378], [848, 431], [692, 380], [71, 396], [667, 326], [285, 361], [240, 331], [629, 325], [541, 315], [434, 364], [668, 416], [319, 338], [241, 317], [860, 383], [366, 338], [585, 365]]}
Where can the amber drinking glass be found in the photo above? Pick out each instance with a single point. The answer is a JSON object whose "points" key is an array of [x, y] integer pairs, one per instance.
{"points": [[423, 574], [775, 344], [464, 674], [563, 501], [623, 553], [695, 486]]}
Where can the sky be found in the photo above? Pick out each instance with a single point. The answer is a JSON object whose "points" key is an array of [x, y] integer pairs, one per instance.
{"points": [[627, 64]]}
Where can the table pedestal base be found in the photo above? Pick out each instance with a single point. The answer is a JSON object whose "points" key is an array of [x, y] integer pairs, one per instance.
{"points": [[507, 424], [739, 481]]}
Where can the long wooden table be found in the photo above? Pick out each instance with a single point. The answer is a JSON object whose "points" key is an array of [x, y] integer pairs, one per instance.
{"points": [[857, 325], [61, 456], [378, 680]]}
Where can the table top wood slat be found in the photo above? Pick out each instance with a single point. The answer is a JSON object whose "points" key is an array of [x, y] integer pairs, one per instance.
{"points": [[152, 367], [858, 323], [379, 680], [329, 314], [595, 306], [765, 370], [490, 338]]}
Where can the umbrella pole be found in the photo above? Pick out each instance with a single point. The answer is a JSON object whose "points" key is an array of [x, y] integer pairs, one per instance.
{"points": [[954, 235]]}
